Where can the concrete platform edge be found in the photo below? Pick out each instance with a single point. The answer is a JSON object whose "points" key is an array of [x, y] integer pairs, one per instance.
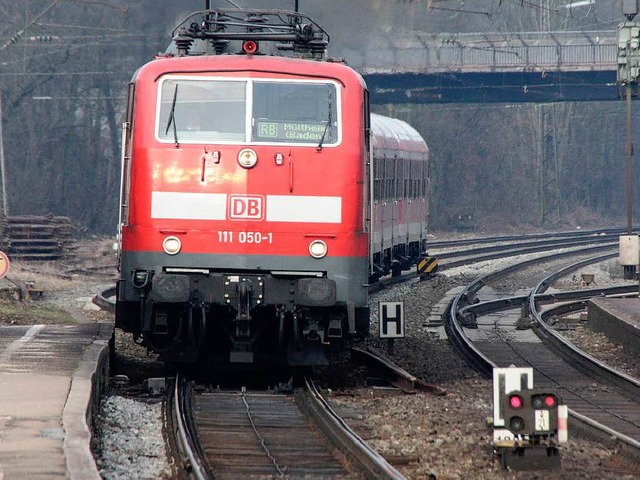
{"points": [[618, 319], [87, 384]]}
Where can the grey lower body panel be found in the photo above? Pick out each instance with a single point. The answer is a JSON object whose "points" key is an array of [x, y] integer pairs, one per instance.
{"points": [[240, 307], [349, 274]]}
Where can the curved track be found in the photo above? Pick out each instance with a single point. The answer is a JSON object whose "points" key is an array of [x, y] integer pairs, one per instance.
{"points": [[602, 402]]}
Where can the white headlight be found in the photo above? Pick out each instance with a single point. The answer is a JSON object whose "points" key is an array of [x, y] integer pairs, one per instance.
{"points": [[247, 158], [318, 249], [171, 245]]}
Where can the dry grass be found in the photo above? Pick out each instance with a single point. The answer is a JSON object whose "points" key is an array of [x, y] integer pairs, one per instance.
{"points": [[56, 276], [93, 263], [32, 313], [46, 276]]}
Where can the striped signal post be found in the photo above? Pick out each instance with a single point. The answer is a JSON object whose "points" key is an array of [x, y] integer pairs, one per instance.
{"points": [[427, 266]]}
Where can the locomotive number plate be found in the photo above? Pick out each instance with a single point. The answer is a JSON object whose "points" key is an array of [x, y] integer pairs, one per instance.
{"points": [[227, 236]]}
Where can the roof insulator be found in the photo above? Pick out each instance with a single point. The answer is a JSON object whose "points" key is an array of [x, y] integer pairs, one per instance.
{"points": [[183, 41]]}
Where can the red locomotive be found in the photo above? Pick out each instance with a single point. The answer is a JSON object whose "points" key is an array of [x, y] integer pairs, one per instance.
{"points": [[247, 225]]}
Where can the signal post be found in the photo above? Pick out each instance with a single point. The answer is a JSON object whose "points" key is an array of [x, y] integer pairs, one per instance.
{"points": [[628, 75]]}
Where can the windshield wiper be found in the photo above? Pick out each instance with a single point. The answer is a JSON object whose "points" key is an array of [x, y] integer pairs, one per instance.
{"points": [[329, 120], [172, 119]]}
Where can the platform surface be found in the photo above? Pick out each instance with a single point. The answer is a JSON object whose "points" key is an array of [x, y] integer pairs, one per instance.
{"points": [[45, 398]]}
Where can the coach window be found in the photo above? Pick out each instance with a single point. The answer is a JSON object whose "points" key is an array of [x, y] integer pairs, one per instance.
{"points": [[400, 179], [378, 174], [201, 110], [389, 178], [295, 113], [407, 178], [415, 175]]}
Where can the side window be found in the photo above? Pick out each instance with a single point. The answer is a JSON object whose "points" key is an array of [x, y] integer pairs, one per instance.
{"points": [[367, 121], [125, 160], [130, 102]]}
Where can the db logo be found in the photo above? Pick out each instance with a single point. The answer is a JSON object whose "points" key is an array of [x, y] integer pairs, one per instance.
{"points": [[246, 207]]}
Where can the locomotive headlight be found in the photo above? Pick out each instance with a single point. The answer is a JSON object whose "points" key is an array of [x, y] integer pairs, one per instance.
{"points": [[171, 245], [318, 249], [247, 158]]}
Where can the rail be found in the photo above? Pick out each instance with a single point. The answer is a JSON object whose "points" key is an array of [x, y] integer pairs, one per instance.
{"points": [[570, 353]]}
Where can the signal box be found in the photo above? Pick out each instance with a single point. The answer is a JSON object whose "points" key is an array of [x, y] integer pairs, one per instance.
{"points": [[531, 412], [538, 423]]}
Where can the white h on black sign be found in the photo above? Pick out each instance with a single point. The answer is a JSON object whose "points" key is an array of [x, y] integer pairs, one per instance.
{"points": [[391, 320]]}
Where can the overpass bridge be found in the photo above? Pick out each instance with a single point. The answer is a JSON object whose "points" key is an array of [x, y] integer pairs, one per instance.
{"points": [[494, 67]]}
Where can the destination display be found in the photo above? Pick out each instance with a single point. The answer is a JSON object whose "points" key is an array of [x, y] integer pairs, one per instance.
{"points": [[291, 131]]}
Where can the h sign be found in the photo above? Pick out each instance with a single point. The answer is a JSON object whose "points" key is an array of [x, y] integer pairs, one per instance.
{"points": [[391, 319], [246, 207]]}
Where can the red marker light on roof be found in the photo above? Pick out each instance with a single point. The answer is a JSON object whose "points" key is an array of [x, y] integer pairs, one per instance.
{"points": [[250, 47]]}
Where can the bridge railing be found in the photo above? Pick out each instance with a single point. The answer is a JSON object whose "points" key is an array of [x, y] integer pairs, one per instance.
{"points": [[492, 52]]}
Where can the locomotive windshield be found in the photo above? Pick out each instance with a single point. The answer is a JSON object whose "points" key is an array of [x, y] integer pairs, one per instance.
{"points": [[247, 111]]}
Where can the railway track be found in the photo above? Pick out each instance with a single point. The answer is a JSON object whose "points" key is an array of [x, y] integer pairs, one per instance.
{"points": [[602, 402], [518, 306], [534, 237], [265, 434], [452, 254]]}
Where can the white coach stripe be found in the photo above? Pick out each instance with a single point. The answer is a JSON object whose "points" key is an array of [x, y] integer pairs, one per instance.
{"points": [[296, 208], [189, 206]]}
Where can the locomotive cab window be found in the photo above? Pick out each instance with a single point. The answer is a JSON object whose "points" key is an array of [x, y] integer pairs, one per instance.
{"points": [[294, 113], [193, 110], [212, 110]]}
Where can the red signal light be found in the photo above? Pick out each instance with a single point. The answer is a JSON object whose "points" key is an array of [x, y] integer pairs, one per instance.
{"points": [[544, 400], [250, 47], [515, 401]]}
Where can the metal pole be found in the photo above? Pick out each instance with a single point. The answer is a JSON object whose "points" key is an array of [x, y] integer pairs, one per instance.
{"points": [[391, 346], [629, 155], [3, 182], [542, 152]]}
